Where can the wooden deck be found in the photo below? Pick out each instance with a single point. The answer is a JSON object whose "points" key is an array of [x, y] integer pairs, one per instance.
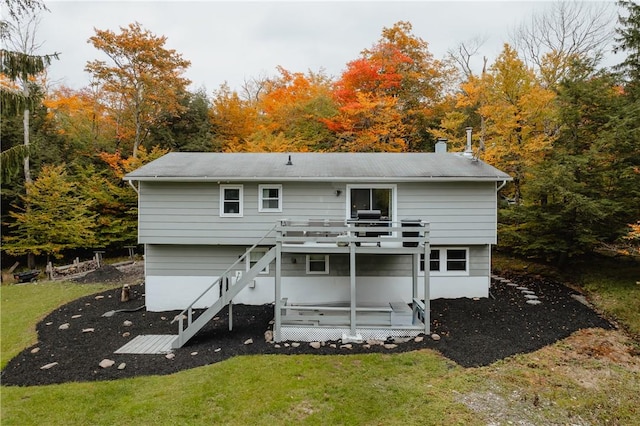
{"points": [[148, 344]]}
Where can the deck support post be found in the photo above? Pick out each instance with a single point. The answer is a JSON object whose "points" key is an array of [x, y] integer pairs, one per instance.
{"points": [[352, 282], [277, 335], [427, 288]]}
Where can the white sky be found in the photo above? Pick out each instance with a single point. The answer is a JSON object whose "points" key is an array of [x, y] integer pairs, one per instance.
{"points": [[234, 41]]}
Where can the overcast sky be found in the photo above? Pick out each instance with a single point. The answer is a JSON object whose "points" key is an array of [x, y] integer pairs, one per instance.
{"points": [[234, 41]]}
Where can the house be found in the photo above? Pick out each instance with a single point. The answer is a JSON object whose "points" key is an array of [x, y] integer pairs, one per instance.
{"points": [[338, 241]]}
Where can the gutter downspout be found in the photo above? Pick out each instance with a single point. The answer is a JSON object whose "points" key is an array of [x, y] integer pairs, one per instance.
{"points": [[504, 182], [136, 189]]}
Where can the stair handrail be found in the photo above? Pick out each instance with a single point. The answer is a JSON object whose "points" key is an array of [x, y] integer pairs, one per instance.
{"points": [[224, 274]]}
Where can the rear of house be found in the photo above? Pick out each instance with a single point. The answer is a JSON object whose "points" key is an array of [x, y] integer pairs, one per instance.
{"points": [[201, 212]]}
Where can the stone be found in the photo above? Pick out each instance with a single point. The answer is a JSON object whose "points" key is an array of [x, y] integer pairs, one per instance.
{"points": [[276, 346], [272, 322], [170, 355], [346, 346], [106, 363], [366, 346], [390, 346], [163, 318], [534, 302], [333, 345], [418, 339], [48, 366], [194, 353], [315, 345], [122, 366], [295, 344], [217, 349], [35, 350], [49, 323], [99, 297], [248, 341], [512, 284], [64, 326], [126, 334], [531, 296], [268, 336], [88, 330], [127, 323], [179, 317], [435, 336], [216, 318], [374, 342], [401, 339], [522, 288], [286, 345], [76, 316], [528, 292]]}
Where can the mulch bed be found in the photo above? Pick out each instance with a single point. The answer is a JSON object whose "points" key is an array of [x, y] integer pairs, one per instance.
{"points": [[473, 333]]}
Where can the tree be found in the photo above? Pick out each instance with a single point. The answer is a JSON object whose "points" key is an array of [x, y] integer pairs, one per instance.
{"points": [[144, 79], [628, 41], [56, 219], [398, 71], [586, 189], [562, 33], [18, 90]]}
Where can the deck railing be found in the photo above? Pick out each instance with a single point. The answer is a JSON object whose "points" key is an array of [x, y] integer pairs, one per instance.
{"points": [[359, 232]]}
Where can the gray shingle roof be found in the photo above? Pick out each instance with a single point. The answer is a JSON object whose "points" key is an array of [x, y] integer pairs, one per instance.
{"points": [[191, 166]]}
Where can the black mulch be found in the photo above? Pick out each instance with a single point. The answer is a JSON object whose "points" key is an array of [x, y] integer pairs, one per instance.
{"points": [[473, 333]]}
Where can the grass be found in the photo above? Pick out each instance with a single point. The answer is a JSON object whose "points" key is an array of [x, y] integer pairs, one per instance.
{"points": [[591, 377], [22, 306]]}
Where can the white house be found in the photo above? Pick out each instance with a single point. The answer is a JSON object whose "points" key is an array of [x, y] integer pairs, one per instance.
{"points": [[336, 240]]}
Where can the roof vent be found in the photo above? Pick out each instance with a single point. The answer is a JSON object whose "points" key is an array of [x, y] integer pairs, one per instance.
{"points": [[289, 163], [441, 146]]}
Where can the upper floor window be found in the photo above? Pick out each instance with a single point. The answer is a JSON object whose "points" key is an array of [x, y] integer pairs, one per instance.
{"points": [[270, 198], [231, 200], [364, 197]]}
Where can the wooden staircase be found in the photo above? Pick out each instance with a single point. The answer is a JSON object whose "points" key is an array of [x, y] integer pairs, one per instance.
{"points": [[228, 287]]}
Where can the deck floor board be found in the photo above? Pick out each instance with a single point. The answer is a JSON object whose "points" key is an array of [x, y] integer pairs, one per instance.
{"points": [[148, 344]]}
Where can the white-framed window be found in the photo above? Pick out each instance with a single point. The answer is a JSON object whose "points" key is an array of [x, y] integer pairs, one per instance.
{"points": [[317, 264], [447, 261], [269, 198], [254, 256], [231, 200]]}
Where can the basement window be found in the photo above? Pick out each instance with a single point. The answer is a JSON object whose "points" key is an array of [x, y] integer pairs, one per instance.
{"points": [[449, 261], [317, 264]]}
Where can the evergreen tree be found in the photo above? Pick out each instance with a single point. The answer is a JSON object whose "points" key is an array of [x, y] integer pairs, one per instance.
{"points": [[56, 219]]}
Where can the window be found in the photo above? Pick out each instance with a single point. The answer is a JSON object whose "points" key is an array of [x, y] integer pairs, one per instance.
{"points": [[253, 258], [270, 198], [317, 264], [231, 200], [452, 261], [371, 198]]}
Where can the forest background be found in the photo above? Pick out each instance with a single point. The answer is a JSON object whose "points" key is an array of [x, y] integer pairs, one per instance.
{"points": [[545, 111]]}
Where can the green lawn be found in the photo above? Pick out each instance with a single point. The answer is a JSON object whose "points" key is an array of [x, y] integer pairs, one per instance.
{"points": [[564, 383]]}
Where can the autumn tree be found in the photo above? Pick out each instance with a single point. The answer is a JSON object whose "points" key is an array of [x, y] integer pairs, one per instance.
{"points": [[398, 73], [57, 219], [519, 113], [233, 118], [144, 79]]}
